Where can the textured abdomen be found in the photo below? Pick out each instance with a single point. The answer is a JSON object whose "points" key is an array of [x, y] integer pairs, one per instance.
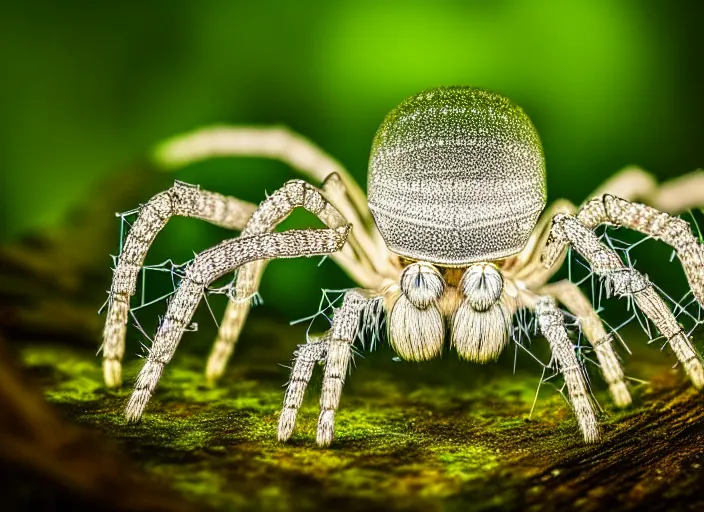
{"points": [[456, 175]]}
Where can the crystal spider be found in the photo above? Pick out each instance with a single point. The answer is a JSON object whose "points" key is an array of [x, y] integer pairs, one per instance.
{"points": [[452, 242]]}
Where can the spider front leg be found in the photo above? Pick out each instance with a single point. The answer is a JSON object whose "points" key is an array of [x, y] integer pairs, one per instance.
{"points": [[624, 282], [577, 303], [552, 326], [335, 349], [229, 256], [353, 258], [628, 185], [527, 267], [206, 268], [184, 200]]}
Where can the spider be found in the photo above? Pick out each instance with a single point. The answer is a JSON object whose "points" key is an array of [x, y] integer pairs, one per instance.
{"points": [[451, 243]]}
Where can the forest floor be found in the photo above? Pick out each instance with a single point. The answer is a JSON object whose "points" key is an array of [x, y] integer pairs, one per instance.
{"points": [[444, 435]]}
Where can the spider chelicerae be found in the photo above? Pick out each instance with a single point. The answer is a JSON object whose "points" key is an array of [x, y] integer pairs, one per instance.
{"points": [[452, 242]]}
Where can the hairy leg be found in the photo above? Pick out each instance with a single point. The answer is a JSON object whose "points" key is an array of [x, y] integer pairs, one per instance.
{"points": [[268, 142], [304, 360], [335, 349], [552, 326], [625, 282], [366, 258], [673, 196], [227, 257], [206, 268], [577, 303], [630, 184], [236, 312], [291, 148], [342, 335], [370, 249], [673, 231], [184, 200], [267, 217]]}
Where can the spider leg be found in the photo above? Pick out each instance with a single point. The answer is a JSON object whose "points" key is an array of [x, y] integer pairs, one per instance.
{"points": [[208, 266], [352, 258], [673, 231], [365, 258], [304, 360], [342, 334], [271, 142], [335, 349], [673, 196], [551, 322], [184, 200], [369, 247], [630, 184], [577, 303], [624, 282]]}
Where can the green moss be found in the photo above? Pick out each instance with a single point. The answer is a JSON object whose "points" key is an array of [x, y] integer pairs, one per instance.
{"points": [[415, 437]]}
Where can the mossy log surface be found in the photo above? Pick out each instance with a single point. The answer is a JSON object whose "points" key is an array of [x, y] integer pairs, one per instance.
{"points": [[445, 435]]}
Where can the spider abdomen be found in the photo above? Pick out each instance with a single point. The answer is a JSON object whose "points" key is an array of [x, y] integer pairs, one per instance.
{"points": [[456, 175]]}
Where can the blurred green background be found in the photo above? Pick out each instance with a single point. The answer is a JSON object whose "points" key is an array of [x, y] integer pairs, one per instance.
{"points": [[89, 87]]}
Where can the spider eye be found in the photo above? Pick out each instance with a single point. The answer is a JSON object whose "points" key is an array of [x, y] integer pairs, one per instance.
{"points": [[482, 285], [422, 284]]}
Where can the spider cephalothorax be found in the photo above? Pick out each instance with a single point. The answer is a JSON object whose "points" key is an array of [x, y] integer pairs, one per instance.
{"points": [[456, 247]]}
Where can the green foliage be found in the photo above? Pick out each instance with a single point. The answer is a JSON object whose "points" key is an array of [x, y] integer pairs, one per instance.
{"points": [[91, 89]]}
